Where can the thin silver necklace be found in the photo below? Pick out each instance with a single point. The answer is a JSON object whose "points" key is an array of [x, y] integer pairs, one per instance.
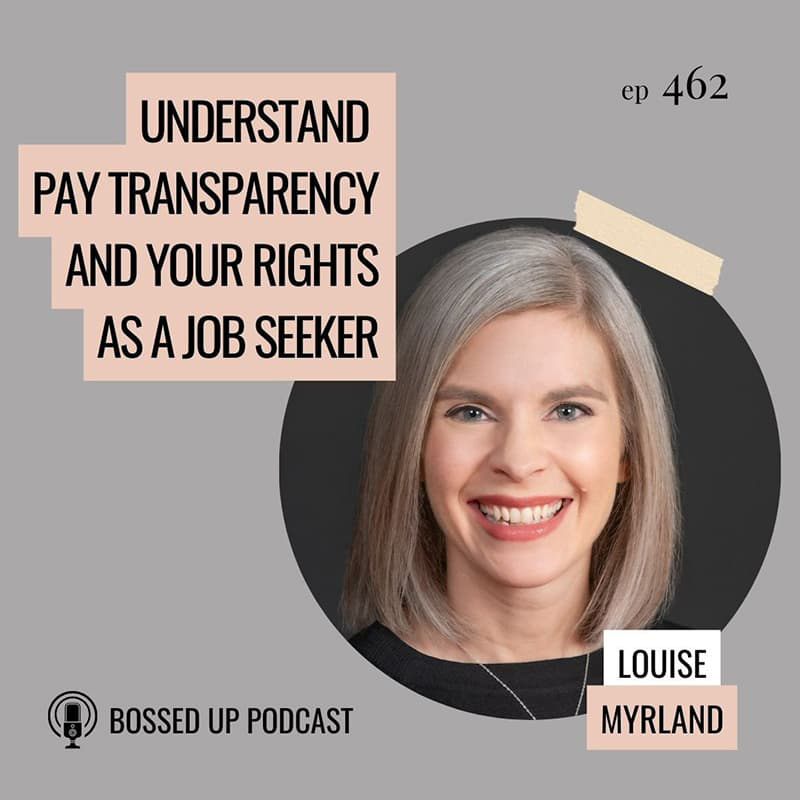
{"points": [[516, 696]]}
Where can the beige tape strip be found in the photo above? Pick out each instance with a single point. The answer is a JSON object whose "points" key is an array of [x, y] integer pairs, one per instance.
{"points": [[646, 243]]}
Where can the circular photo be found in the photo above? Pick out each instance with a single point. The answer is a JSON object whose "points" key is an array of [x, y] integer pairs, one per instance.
{"points": [[557, 456]]}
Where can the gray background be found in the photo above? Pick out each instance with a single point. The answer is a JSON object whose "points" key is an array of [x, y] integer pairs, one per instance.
{"points": [[144, 558]]}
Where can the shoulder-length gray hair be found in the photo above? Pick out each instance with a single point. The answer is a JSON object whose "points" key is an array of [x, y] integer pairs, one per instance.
{"points": [[397, 571]]}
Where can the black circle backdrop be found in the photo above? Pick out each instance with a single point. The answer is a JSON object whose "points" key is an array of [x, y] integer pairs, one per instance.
{"points": [[728, 448]]}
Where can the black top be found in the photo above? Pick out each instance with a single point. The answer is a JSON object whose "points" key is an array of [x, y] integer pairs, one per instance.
{"points": [[548, 688]]}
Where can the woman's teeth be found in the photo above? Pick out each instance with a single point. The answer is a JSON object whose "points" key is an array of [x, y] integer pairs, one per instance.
{"points": [[520, 516]]}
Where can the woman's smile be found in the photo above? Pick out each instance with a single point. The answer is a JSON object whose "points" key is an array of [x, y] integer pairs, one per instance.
{"points": [[524, 450], [512, 519]]}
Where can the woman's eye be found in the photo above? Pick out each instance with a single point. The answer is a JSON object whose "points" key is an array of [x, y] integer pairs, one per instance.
{"points": [[468, 414], [566, 412]]}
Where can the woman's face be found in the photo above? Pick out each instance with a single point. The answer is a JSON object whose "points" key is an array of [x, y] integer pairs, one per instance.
{"points": [[524, 451]]}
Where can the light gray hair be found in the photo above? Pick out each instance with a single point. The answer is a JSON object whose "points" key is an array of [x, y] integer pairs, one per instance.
{"points": [[397, 570]]}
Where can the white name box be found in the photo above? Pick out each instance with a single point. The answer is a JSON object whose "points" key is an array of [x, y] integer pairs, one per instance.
{"points": [[662, 658]]}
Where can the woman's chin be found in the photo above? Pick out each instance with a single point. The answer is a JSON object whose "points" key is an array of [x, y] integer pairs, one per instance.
{"points": [[524, 581], [520, 576], [524, 565], [548, 568]]}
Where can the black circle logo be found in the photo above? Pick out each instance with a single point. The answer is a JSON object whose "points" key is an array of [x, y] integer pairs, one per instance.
{"points": [[72, 715]]}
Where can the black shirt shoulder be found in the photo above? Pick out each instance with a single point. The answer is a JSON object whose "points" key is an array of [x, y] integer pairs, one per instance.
{"points": [[667, 625], [550, 688]]}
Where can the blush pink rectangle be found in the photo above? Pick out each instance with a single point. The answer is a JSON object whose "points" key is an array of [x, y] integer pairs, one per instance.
{"points": [[147, 303], [668, 698]]}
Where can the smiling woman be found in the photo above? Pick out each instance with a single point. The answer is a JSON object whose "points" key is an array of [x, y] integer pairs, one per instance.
{"points": [[518, 491]]}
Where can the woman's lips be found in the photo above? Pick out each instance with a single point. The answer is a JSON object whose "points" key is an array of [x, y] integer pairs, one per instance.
{"points": [[521, 530]]}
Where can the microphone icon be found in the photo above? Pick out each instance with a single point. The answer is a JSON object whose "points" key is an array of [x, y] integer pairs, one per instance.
{"points": [[72, 715], [72, 724]]}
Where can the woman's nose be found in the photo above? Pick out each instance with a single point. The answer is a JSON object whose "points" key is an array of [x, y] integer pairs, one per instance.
{"points": [[520, 450]]}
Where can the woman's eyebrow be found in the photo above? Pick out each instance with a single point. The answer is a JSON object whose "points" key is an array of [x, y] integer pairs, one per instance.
{"points": [[568, 392], [464, 394]]}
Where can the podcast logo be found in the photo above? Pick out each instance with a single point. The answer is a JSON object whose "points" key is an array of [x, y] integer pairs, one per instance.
{"points": [[72, 715]]}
